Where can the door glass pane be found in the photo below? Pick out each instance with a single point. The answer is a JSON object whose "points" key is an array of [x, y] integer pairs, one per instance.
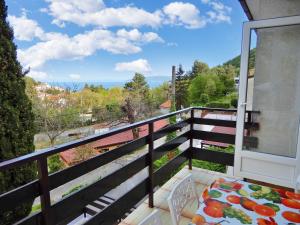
{"points": [[274, 90]]}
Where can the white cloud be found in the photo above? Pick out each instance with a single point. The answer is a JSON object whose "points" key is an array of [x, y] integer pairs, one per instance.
{"points": [[172, 44], [24, 28], [184, 14], [57, 46], [79, 46], [94, 12], [43, 10], [219, 12], [39, 75], [136, 35], [75, 76], [33, 30], [58, 23], [140, 65]]}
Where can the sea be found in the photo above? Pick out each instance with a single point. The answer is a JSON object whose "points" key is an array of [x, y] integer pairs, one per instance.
{"points": [[152, 82]]}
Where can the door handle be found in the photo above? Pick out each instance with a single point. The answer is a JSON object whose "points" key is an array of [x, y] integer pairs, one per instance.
{"points": [[243, 104]]}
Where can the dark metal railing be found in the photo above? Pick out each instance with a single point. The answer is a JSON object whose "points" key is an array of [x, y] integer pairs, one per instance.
{"points": [[74, 205]]}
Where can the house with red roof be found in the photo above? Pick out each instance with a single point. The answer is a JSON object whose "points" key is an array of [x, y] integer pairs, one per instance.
{"points": [[111, 142], [165, 107]]}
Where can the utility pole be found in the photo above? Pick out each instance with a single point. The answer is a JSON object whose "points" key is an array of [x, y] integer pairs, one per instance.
{"points": [[173, 85]]}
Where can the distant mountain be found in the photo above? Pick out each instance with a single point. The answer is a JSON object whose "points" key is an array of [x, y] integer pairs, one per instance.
{"points": [[237, 60]]}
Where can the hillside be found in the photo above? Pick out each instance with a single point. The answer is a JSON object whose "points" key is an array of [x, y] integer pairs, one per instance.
{"points": [[237, 60]]}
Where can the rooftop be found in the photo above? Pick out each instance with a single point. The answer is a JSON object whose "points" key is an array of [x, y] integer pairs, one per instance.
{"points": [[69, 156]]}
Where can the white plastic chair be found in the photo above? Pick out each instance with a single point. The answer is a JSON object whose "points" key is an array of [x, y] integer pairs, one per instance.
{"points": [[297, 188], [183, 193], [152, 219]]}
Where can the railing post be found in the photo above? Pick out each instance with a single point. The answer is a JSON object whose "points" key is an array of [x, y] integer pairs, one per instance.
{"points": [[249, 120], [150, 163], [191, 140], [44, 189]]}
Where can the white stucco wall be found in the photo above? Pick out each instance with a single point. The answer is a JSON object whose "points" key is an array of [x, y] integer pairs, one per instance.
{"points": [[276, 90], [264, 9]]}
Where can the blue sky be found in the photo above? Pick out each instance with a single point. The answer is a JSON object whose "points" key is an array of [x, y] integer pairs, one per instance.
{"points": [[108, 40]]}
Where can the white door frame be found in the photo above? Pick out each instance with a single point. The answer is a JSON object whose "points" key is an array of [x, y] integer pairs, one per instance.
{"points": [[241, 154]]}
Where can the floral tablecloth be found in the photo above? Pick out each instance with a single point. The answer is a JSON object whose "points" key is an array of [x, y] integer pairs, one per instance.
{"points": [[237, 202]]}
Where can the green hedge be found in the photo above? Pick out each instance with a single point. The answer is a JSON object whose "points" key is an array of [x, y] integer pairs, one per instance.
{"points": [[74, 189], [213, 166], [218, 104]]}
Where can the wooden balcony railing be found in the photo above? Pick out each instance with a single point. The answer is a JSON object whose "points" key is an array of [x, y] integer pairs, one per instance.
{"points": [[72, 206]]}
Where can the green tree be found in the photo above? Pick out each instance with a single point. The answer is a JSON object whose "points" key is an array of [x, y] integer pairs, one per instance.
{"points": [[161, 93], [181, 88], [56, 116], [32, 94], [136, 103], [199, 68], [94, 88], [205, 88], [53, 91], [30, 90], [17, 120], [138, 85], [226, 73]]}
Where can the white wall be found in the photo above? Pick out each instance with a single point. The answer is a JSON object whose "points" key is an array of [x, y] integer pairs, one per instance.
{"points": [[276, 90], [264, 9]]}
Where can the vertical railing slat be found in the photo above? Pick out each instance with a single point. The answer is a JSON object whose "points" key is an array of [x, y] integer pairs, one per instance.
{"points": [[150, 162], [44, 190], [191, 140]]}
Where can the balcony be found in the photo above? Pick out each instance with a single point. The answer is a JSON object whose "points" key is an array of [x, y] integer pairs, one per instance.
{"points": [[95, 203]]}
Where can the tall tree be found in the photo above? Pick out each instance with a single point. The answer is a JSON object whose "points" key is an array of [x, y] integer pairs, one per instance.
{"points": [[199, 68], [161, 93], [16, 120], [181, 85], [226, 73], [205, 88], [136, 103]]}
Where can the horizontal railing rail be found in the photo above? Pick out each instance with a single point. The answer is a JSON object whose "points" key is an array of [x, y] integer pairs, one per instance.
{"points": [[213, 156], [127, 201], [73, 205], [73, 144], [223, 110], [224, 123]]}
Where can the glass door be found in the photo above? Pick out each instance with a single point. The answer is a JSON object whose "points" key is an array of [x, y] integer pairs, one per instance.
{"points": [[267, 140]]}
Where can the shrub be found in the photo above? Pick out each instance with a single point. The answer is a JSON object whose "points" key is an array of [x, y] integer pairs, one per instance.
{"points": [[36, 208], [72, 190], [204, 98], [234, 102], [54, 163], [209, 166], [213, 166], [218, 104]]}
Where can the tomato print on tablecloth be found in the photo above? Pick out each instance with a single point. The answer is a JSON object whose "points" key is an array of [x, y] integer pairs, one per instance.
{"points": [[229, 201]]}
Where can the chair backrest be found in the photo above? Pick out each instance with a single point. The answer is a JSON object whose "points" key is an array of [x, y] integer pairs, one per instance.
{"points": [[152, 219], [297, 188], [183, 193]]}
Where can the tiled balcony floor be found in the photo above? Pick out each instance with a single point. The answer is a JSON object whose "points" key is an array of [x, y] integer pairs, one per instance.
{"points": [[202, 178]]}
